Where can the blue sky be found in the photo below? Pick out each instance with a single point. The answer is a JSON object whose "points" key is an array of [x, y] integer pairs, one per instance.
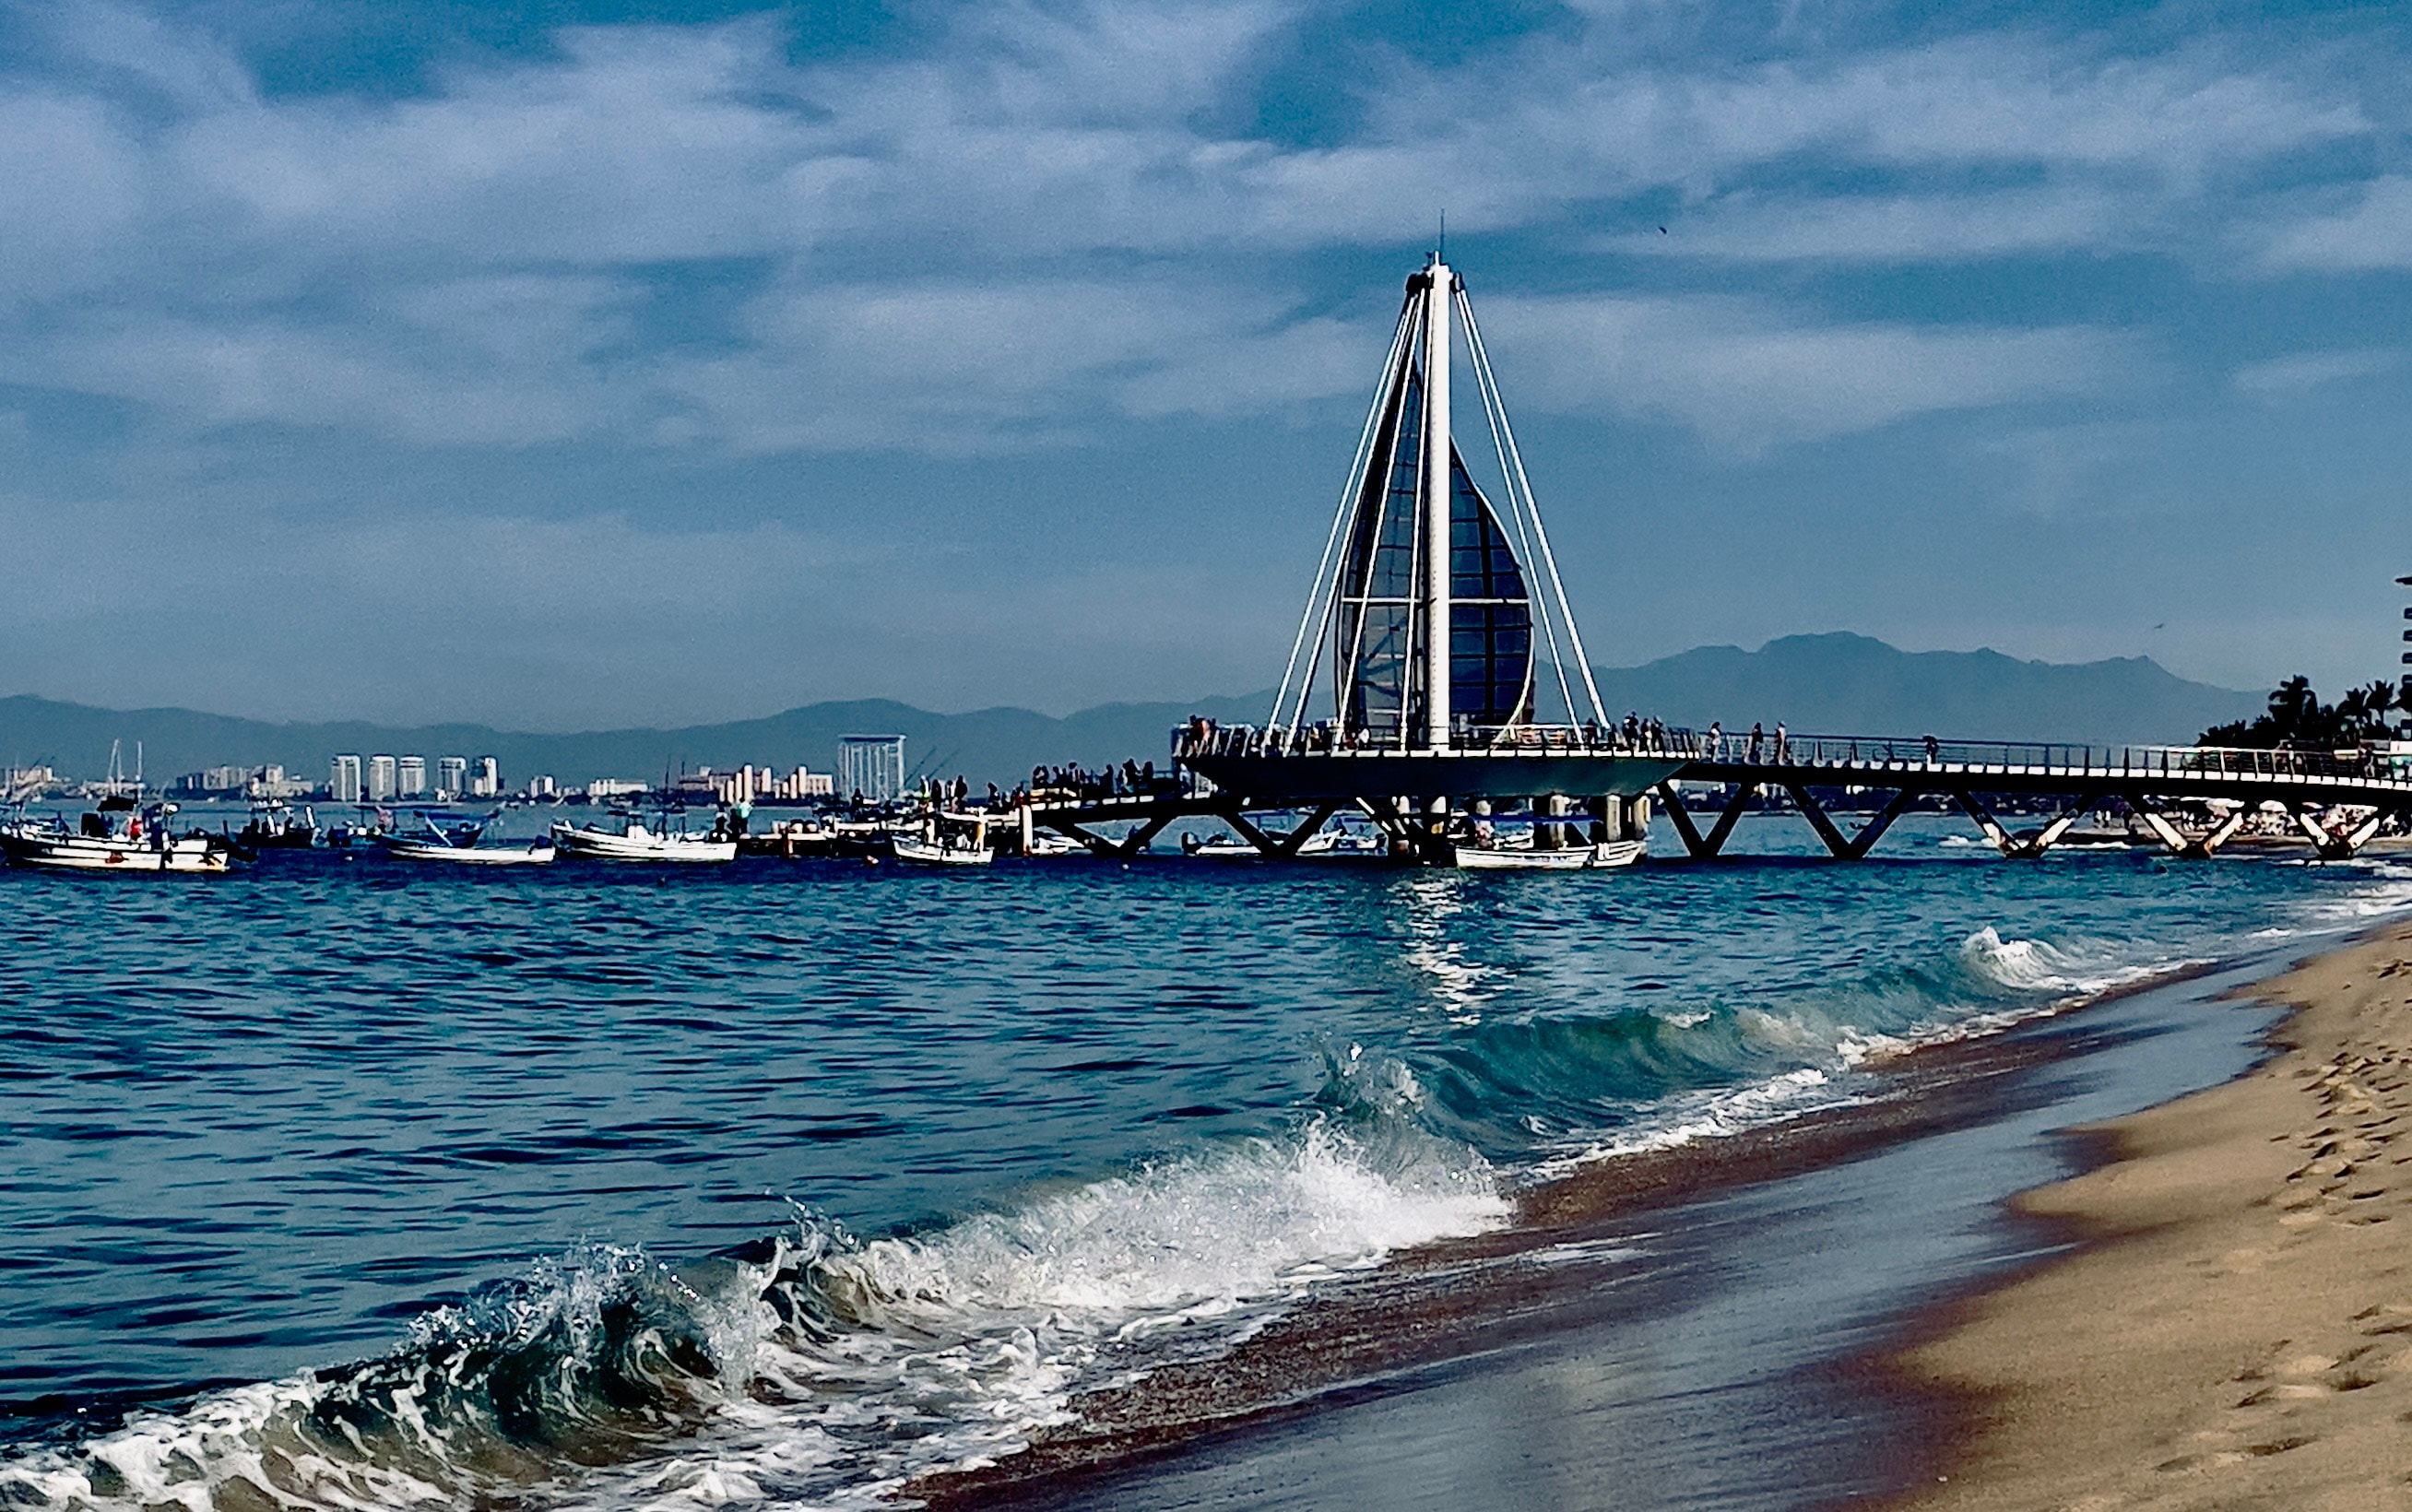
{"points": [[569, 364]]}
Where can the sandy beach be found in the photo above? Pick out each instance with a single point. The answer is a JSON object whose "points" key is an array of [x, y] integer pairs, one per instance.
{"points": [[2236, 1331]]}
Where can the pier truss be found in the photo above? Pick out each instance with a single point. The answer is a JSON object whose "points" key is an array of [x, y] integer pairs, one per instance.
{"points": [[1276, 789], [2191, 799]]}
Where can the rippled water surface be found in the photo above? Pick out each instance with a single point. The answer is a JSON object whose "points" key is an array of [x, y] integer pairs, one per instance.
{"points": [[781, 1180]]}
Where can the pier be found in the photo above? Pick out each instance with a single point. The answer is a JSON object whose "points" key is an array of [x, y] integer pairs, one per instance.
{"points": [[1416, 696], [1277, 791]]}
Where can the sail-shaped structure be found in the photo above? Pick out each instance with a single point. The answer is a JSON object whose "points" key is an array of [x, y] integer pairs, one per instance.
{"points": [[1423, 630], [1436, 667]]}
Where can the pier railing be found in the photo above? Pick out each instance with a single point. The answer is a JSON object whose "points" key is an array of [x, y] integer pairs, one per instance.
{"points": [[1206, 737], [1851, 754], [1922, 753]]}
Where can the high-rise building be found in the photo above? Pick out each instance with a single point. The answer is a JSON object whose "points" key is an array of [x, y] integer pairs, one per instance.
{"points": [[485, 778], [410, 777], [541, 785], [344, 780], [451, 777], [382, 778], [872, 766]]}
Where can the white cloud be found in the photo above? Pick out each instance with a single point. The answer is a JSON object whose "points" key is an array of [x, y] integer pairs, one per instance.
{"points": [[1751, 227], [1749, 375], [2375, 233], [1024, 228], [2299, 373]]}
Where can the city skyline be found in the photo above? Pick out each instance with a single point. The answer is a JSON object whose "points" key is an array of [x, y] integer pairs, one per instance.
{"points": [[586, 363]]}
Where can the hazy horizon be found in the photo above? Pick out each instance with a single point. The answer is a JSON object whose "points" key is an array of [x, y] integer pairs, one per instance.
{"points": [[740, 715]]}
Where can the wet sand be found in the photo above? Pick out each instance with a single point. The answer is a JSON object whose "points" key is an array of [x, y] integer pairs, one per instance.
{"points": [[1696, 1327], [2235, 1331]]}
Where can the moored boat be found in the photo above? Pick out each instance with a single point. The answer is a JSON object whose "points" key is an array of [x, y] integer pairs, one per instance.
{"points": [[636, 843], [1598, 855], [141, 844], [947, 839], [459, 846]]}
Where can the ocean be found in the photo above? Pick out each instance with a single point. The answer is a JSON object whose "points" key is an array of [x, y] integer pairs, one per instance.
{"points": [[339, 1184]]}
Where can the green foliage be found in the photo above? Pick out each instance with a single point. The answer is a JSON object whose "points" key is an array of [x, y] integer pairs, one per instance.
{"points": [[2296, 717]]}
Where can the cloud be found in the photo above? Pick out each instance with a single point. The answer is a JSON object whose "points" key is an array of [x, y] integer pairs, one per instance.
{"points": [[1749, 375], [681, 236], [2377, 233], [2299, 373], [1752, 227]]}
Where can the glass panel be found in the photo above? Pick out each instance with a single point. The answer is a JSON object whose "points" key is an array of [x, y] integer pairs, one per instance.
{"points": [[1491, 638]]}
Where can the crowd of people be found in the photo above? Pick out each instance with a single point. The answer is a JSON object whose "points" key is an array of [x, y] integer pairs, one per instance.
{"points": [[1634, 734], [1132, 779]]}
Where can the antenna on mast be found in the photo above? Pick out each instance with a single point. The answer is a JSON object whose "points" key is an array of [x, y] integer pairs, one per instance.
{"points": [[1444, 236]]}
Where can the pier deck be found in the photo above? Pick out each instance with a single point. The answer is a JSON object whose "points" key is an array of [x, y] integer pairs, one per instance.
{"points": [[2193, 798]]}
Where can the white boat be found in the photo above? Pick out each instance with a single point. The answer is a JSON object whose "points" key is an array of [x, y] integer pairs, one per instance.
{"points": [[941, 853], [636, 843], [140, 845], [1220, 849], [1343, 845], [535, 853], [947, 839], [1589, 857]]}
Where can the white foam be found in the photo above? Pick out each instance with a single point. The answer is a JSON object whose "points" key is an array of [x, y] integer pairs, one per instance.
{"points": [[2042, 967], [941, 1350]]}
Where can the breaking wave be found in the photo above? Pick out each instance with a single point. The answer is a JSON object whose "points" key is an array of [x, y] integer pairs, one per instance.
{"points": [[814, 1367]]}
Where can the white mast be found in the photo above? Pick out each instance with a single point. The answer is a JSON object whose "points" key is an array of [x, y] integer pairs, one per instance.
{"points": [[1435, 506]]}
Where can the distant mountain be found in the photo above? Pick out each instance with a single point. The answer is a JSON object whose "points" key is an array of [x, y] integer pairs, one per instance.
{"points": [[1817, 685], [1850, 685]]}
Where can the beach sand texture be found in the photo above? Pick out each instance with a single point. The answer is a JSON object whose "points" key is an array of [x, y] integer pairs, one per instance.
{"points": [[2239, 1332]]}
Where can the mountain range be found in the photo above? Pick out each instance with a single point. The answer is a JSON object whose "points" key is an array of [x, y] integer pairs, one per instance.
{"points": [[1817, 684]]}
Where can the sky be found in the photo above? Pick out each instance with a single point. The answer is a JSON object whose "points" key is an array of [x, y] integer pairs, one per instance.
{"points": [[570, 364]]}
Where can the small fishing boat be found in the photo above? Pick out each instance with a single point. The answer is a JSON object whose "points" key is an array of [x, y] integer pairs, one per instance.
{"points": [[140, 843], [433, 827], [1586, 857], [1343, 845], [946, 840], [439, 844], [1218, 848], [535, 853], [275, 827], [633, 842]]}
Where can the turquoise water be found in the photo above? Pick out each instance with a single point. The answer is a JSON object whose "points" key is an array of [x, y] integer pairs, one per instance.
{"points": [[782, 1181]]}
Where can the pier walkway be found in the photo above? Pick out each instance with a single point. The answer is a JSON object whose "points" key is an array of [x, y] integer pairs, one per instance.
{"points": [[2153, 781], [2192, 799]]}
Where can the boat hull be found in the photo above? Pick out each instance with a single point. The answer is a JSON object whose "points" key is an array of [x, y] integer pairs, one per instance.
{"points": [[602, 846], [1594, 858], [472, 855], [85, 853], [923, 853]]}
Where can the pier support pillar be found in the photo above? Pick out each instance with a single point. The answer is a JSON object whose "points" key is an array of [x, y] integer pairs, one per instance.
{"points": [[2336, 844], [2031, 843], [1549, 822], [2195, 848], [1703, 847], [1849, 847]]}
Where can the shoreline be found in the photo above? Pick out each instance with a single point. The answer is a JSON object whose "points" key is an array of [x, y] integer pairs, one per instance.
{"points": [[1559, 1266], [2259, 1352]]}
